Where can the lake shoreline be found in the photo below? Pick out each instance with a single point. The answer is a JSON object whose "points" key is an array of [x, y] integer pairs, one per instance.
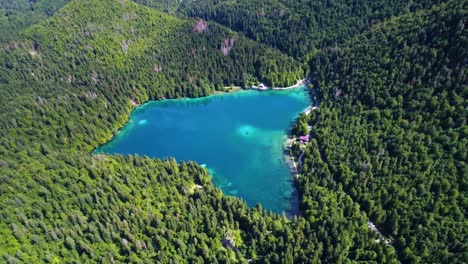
{"points": [[290, 159], [263, 87], [135, 106]]}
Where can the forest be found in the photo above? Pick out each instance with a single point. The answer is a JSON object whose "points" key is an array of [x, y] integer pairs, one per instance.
{"points": [[298, 28], [391, 130], [389, 136], [20, 14]]}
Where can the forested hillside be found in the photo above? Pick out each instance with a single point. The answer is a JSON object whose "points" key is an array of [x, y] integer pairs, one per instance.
{"points": [[389, 136], [67, 85], [16, 15], [137, 54], [391, 130], [296, 27]]}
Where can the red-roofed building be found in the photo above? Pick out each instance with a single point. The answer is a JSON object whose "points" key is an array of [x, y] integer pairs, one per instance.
{"points": [[304, 139]]}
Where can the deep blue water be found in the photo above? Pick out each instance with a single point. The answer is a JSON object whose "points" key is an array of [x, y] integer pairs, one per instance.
{"points": [[239, 137]]}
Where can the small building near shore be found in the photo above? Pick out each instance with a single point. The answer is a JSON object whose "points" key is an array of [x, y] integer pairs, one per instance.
{"points": [[304, 139], [262, 87]]}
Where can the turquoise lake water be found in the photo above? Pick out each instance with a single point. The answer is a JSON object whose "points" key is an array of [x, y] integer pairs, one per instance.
{"points": [[239, 137]]}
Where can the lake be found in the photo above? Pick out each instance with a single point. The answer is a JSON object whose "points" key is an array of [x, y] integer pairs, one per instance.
{"points": [[239, 137]]}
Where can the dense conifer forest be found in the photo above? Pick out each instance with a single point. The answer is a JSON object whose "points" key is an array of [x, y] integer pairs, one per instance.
{"points": [[389, 136], [19, 14], [296, 27], [392, 130]]}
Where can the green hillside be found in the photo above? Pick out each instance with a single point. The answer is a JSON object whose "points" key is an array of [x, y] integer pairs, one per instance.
{"points": [[19, 14], [389, 135], [296, 27], [391, 130], [67, 85], [104, 54]]}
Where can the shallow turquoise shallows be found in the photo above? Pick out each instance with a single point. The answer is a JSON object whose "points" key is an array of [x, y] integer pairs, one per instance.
{"points": [[239, 137]]}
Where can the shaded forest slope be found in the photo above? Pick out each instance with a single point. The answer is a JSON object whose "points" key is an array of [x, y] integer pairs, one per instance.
{"points": [[67, 85], [391, 130]]}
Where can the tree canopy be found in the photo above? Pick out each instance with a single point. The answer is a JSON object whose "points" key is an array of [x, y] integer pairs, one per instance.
{"points": [[388, 138]]}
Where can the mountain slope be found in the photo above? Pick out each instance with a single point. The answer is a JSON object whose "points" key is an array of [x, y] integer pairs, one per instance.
{"points": [[391, 130], [382, 147], [68, 84], [20, 14], [107, 53], [296, 27]]}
